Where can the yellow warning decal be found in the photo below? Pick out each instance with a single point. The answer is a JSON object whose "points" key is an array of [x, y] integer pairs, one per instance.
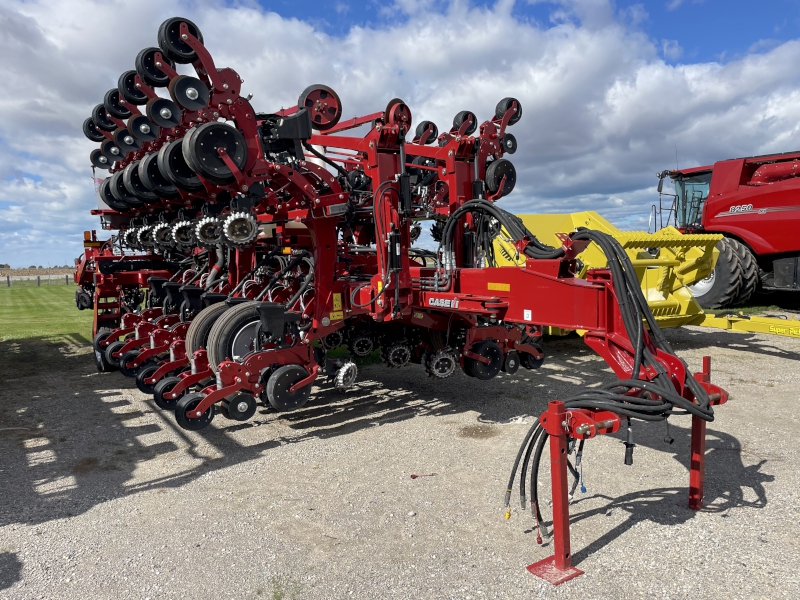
{"points": [[337, 302], [418, 315], [498, 287], [336, 316], [380, 285]]}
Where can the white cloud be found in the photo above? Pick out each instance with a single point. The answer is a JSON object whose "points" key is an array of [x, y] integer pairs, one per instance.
{"points": [[602, 111]]}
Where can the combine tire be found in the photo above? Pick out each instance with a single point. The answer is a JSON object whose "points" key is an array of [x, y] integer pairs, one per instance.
{"points": [[749, 272], [721, 288]]}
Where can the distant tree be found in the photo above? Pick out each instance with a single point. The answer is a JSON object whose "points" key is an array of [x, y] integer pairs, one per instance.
{"points": [[5, 266], [40, 267], [32, 267]]}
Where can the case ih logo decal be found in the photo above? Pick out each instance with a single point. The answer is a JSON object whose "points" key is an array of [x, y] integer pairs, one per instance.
{"points": [[443, 302]]}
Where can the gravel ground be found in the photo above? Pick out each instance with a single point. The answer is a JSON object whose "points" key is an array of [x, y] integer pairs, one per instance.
{"points": [[103, 496]]}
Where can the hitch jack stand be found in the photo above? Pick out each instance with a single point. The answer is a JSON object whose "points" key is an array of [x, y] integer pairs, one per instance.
{"points": [[558, 568]]}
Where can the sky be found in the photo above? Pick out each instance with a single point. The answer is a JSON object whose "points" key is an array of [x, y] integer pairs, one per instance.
{"points": [[611, 90]]}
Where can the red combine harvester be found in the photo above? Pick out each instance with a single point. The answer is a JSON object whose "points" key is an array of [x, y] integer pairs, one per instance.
{"points": [[267, 240], [755, 203]]}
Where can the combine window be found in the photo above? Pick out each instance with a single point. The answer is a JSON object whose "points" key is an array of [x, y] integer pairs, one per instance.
{"points": [[691, 192]]}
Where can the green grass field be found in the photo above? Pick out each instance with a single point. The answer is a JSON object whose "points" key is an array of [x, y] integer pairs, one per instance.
{"points": [[27, 312]]}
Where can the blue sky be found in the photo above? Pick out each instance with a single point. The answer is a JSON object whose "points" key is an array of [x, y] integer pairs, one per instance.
{"points": [[609, 89], [707, 30]]}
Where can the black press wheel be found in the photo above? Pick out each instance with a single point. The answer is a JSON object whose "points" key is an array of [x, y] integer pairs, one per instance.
{"points": [[172, 165], [200, 327], [431, 136], [100, 360], [148, 71], [529, 361], [123, 363], [113, 107], [461, 118], [91, 131], [279, 384], [152, 178], [479, 370], [233, 334], [126, 84], [504, 105], [495, 173], [110, 349], [171, 43], [133, 183], [162, 393], [239, 408], [185, 413], [164, 112], [104, 191], [101, 120], [120, 192], [144, 372], [200, 150], [142, 128], [189, 92]]}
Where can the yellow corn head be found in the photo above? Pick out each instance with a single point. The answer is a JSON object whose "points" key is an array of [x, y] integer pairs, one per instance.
{"points": [[666, 261]]}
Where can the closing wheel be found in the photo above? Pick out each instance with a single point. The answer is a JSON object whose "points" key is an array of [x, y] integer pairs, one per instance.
{"points": [[91, 131], [323, 105], [504, 106], [186, 416], [529, 361], [239, 408], [100, 360], [201, 146], [162, 393], [189, 92], [110, 349], [487, 349], [509, 143], [361, 345], [111, 151], [495, 173], [511, 363], [123, 363], [126, 84], [144, 372], [750, 276], [101, 120], [721, 287], [172, 165], [113, 107], [148, 71], [152, 178], [461, 118], [279, 384], [199, 328], [171, 43], [431, 136]]}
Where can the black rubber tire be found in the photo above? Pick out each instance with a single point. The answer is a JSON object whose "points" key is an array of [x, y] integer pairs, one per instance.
{"points": [[727, 279], [171, 44], [511, 363], [200, 327], [186, 405], [100, 360], [91, 132], [504, 105], [222, 334], [750, 277], [459, 119], [113, 347], [124, 359], [278, 386], [147, 70], [164, 387], [481, 371], [146, 370]]}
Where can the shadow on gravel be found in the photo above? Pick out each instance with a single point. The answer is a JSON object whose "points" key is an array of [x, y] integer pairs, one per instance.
{"points": [[729, 484], [69, 441], [10, 569]]}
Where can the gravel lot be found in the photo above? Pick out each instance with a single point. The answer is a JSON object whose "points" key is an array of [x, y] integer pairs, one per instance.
{"points": [[103, 496]]}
